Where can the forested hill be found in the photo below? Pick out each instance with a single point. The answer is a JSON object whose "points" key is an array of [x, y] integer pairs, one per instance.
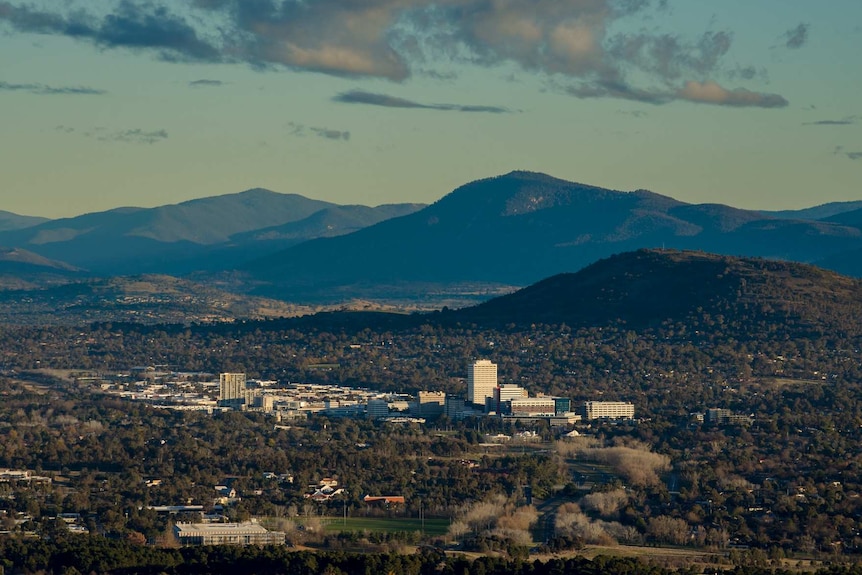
{"points": [[746, 297]]}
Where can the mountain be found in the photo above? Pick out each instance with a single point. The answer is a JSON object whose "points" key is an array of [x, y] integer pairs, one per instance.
{"points": [[22, 269], [516, 229], [14, 257], [143, 299], [176, 238], [245, 246], [848, 218], [10, 221], [648, 288], [821, 212]]}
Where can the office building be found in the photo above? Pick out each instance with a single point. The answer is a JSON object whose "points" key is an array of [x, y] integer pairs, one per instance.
{"points": [[226, 534], [608, 410], [430, 404], [481, 381], [532, 406], [377, 408], [231, 386], [562, 405]]}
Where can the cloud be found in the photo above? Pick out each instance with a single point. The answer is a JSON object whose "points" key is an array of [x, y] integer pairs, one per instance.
{"points": [[130, 136], [796, 38], [138, 136], [840, 151], [847, 121], [45, 90], [574, 43], [133, 25], [386, 101], [712, 93], [206, 83], [696, 92], [621, 91], [301, 130], [633, 113], [331, 134]]}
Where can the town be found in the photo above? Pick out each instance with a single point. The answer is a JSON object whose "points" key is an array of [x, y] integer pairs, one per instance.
{"points": [[485, 397]]}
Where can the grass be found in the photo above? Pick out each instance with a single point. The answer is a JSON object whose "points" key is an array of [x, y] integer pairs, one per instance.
{"points": [[432, 527]]}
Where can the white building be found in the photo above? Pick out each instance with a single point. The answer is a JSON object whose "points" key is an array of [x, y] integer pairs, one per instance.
{"points": [[226, 534], [608, 410], [481, 381], [509, 391], [231, 386]]}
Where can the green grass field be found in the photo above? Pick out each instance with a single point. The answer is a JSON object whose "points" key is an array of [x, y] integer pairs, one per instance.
{"points": [[432, 527]]}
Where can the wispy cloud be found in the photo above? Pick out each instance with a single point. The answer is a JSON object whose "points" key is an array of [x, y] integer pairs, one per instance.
{"points": [[139, 136], [129, 136], [46, 90], [846, 121], [204, 83], [301, 130], [796, 38], [633, 113], [712, 93], [576, 43], [386, 101], [840, 151], [695, 92], [330, 134]]}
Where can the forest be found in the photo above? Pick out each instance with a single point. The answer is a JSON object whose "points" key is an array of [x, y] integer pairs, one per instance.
{"points": [[786, 485]]}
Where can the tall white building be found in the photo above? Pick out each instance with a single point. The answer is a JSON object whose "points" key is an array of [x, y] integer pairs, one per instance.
{"points": [[481, 381], [231, 386]]}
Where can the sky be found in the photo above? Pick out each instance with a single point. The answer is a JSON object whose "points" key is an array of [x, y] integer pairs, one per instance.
{"points": [[108, 103]]}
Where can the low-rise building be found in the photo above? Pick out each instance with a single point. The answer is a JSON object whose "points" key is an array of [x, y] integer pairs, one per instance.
{"points": [[608, 410], [248, 533]]}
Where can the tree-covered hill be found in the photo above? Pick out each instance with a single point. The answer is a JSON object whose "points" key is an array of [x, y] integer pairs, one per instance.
{"points": [[647, 288]]}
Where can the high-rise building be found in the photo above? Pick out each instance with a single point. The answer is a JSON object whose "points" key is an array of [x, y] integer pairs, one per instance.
{"points": [[231, 386], [481, 381]]}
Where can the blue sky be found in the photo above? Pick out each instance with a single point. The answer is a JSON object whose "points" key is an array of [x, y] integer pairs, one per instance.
{"points": [[142, 102]]}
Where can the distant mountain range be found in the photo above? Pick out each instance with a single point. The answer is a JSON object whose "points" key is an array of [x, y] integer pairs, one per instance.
{"points": [[485, 238], [10, 221], [204, 234], [821, 212], [521, 227]]}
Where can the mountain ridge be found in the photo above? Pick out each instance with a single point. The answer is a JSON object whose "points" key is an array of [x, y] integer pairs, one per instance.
{"points": [[175, 238], [517, 228]]}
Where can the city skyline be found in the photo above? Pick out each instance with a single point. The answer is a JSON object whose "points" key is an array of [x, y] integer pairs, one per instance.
{"points": [[134, 103]]}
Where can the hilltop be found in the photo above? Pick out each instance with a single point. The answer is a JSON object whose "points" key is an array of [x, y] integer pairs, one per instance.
{"points": [[516, 229], [708, 292]]}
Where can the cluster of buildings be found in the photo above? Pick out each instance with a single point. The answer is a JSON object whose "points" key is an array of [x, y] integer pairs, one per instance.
{"points": [[507, 400], [485, 396]]}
